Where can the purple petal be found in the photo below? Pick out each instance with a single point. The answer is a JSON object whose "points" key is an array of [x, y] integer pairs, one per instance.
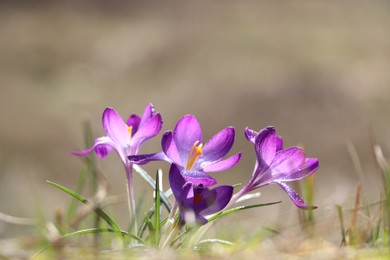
{"points": [[218, 146], [287, 161], [309, 166], [298, 201], [102, 146], [148, 113], [279, 143], [223, 196], [150, 129], [145, 158], [203, 198], [170, 149], [185, 134], [266, 145], [134, 121], [115, 127], [176, 181], [223, 165], [250, 135], [198, 178]]}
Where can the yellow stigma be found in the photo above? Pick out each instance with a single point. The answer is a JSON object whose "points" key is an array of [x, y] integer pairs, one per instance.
{"points": [[130, 130], [195, 151]]}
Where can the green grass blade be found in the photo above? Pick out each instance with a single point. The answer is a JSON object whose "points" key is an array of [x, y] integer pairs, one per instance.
{"points": [[98, 211], [101, 230], [341, 219], [157, 208], [229, 211], [215, 241], [149, 224], [152, 184]]}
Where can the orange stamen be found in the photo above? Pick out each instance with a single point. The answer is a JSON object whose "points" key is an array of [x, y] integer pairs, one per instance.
{"points": [[130, 130], [197, 198], [195, 151]]}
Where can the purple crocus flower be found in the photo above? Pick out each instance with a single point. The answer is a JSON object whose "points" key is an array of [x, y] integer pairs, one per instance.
{"points": [[183, 146], [197, 202], [125, 137], [277, 165]]}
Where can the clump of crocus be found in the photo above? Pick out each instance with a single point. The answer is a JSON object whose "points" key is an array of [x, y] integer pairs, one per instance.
{"points": [[184, 147], [196, 202], [125, 138], [277, 165]]}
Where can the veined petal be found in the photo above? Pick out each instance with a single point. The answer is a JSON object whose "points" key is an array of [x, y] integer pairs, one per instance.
{"points": [[102, 146], [170, 149], [218, 146], [298, 201], [203, 198], [133, 121], [115, 127], [223, 164], [266, 145], [198, 178], [306, 169], [279, 143], [176, 181], [250, 135], [185, 134], [148, 113], [145, 158], [223, 196], [148, 130], [287, 161]]}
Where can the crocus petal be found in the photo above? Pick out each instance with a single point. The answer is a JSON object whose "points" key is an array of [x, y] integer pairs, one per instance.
{"points": [[145, 158], [218, 146], [185, 134], [306, 169], [198, 178], [170, 149], [250, 135], [298, 201], [148, 113], [287, 161], [150, 129], [115, 127], [279, 143], [223, 164], [203, 198], [265, 146], [133, 121], [223, 196], [176, 181], [102, 146]]}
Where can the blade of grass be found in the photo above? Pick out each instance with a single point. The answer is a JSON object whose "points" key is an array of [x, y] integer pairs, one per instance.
{"points": [[152, 184], [157, 208], [341, 219], [229, 211], [98, 211], [102, 230]]}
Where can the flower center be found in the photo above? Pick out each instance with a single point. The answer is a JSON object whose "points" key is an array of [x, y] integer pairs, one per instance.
{"points": [[195, 151], [130, 130], [197, 198]]}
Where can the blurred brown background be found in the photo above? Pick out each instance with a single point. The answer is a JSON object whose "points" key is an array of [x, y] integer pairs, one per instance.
{"points": [[317, 70]]}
